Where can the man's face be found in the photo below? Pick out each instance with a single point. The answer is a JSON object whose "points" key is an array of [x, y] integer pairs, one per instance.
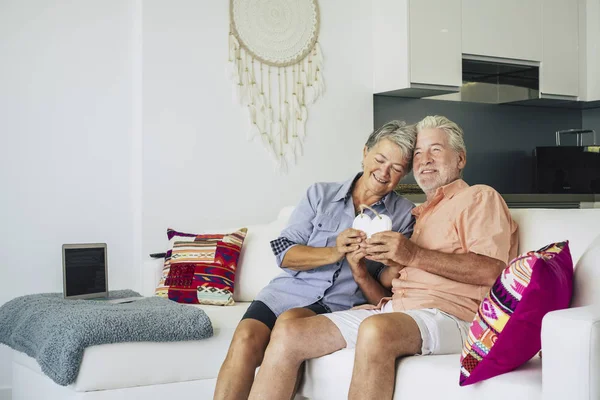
{"points": [[383, 166], [435, 163]]}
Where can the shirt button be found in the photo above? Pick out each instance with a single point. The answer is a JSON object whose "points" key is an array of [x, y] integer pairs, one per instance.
{"points": [[337, 263], [319, 225], [328, 281], [319, 297]]}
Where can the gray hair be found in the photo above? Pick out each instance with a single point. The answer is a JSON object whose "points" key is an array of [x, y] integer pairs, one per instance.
{"points": [[398, 132], [454, 132]]}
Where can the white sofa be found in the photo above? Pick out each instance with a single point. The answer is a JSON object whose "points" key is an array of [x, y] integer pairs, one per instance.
{"points": [[570, 367]]}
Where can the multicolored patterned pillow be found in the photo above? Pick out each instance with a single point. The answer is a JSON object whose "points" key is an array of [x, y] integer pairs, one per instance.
{"points": [[200, 269], [506, 330]]}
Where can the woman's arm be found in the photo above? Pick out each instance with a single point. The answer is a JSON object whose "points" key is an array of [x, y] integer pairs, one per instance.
{"points": [[372, 289], [302, 258]]}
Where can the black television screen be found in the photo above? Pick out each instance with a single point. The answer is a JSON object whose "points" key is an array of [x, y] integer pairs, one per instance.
{"points": [[567, 169]]}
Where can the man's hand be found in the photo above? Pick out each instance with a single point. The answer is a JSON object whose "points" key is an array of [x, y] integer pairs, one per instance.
{"points": [[391, 248], [348, 241], [356, 259]]}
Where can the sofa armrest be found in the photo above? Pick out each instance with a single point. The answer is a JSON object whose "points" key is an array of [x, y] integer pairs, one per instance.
{"points": [[571, 354]]}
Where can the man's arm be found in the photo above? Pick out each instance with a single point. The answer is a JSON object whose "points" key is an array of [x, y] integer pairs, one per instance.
{"points": [[393, 248], [470, 268], [485, 228]]}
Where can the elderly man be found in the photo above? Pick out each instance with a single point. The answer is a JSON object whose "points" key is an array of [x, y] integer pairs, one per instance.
{"points": [[463, 237]]}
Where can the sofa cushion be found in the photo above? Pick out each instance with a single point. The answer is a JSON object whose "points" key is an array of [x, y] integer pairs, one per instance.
{"points": [[122, 365], [506, 330], [538, 227], [421, 377], [200, 268], [257, 265]]}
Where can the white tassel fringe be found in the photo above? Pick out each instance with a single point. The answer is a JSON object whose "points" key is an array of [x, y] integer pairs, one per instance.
{"points": [[276, 99]]}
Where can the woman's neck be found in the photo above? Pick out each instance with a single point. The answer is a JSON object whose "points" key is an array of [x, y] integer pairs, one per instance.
{"points": [[362, 195]]}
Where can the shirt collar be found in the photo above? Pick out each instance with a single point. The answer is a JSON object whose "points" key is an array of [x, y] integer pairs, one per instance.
{"points": [[448, 191], [345, 191], [452, 188]]}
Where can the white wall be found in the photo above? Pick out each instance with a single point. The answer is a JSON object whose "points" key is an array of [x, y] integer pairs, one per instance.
{"points": [[199, 171], [66, 117], [116, 121]]}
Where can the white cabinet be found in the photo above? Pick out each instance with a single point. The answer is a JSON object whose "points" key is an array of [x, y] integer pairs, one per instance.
{"points": [[559, 70], [417, 47], [435, 42], [503, 28], [589, 50]]}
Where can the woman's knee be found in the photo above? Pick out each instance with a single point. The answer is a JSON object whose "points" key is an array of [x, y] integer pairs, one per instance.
{"points": [[248, 341], [285, 331], [286, 337]]}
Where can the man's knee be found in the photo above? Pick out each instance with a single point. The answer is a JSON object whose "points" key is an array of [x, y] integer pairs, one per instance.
{"points": [[373, 331], [295, 313], [378, 335]]}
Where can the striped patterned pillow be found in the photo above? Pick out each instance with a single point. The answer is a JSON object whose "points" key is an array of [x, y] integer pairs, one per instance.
{"points": [[200, 269], [506, 330]]}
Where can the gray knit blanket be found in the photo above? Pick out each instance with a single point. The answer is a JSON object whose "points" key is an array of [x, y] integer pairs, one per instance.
{"points": [[56, 331]]}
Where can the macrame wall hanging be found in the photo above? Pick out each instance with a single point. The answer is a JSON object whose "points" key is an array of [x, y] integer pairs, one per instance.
{"points": [[276, 64]]}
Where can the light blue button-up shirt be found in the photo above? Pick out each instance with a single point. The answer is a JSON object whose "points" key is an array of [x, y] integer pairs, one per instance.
{"points": [[323, 213]]}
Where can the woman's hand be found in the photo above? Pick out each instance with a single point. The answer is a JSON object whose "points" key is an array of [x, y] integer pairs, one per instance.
{"points": [[348, 241]]}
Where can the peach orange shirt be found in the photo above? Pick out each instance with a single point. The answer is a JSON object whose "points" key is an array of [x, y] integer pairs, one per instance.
{"points": [[458, 219]]}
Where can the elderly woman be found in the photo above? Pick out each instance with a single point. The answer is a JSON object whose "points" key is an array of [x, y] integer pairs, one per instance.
{"points": [[313, 249]]}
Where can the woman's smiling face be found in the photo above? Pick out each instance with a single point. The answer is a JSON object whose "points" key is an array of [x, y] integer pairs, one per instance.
{"points": [[383, 166]]}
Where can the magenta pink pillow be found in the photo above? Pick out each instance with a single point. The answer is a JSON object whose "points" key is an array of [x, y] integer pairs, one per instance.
{"points": [[505, 332]]}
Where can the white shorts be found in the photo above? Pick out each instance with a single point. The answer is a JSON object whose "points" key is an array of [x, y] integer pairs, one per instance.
{"points": [[441, 333]]}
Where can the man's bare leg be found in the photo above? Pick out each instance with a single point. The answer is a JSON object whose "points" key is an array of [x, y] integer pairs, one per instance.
{"points": [[381, 340], [245, 354], [293, 342], [294, 313]]}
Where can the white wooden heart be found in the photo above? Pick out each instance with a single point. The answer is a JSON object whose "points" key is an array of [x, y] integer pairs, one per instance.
{"points": [[379, 223]]}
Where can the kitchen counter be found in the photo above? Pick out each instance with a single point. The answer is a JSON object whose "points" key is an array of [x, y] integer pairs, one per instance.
{"points": [[537, 200]]}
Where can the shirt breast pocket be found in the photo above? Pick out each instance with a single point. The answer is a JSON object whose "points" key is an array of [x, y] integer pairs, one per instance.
{"points": [[325, 231]]}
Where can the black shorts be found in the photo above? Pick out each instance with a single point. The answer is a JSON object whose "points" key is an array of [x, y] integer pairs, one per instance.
{"points": [[260, 312]]}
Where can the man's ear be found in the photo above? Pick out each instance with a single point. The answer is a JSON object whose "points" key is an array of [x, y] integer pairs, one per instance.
{"points": [[462, 160]]}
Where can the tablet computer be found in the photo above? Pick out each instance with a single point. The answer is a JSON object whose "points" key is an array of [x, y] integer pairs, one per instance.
{"points": [[85, 271]]}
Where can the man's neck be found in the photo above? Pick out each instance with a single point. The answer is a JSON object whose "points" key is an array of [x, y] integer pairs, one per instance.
{"points": [[430, 194]]}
